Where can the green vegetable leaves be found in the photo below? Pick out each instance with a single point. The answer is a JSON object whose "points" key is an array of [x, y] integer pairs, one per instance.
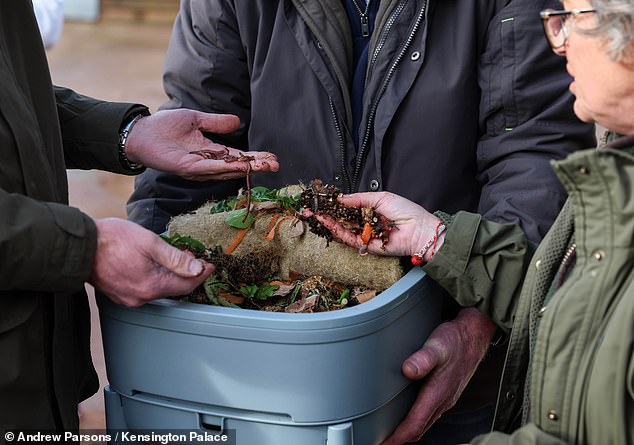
{"points": [[186, 243], [259, 194], [261, 292], [236, 219]]}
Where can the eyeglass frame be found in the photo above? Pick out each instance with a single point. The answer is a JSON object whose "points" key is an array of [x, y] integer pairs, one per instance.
{"points": [[563, 14]]}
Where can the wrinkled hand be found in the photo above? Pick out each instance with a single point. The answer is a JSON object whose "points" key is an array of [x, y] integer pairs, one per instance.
{"points": [[447, 361], [133, 265], [415, 226], [164, 140]]}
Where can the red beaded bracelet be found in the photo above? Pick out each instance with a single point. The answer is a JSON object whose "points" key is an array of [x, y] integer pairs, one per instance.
{"points": [[417, 258]]}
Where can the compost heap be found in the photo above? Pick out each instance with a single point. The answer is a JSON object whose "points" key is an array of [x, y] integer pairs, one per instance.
{"points": [[274, 259]]}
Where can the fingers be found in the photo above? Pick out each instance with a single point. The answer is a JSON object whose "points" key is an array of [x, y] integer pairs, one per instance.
{"points": [[431, 401], [195, 167], [217, 123], [179, 272], [345, 236], [208, 170], [367, 199], [424, 361], [339, 232], [169, 284], [426, 410], [264, 161], [179, 262]]}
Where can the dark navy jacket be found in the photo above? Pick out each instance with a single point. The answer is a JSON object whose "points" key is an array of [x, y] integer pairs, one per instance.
{"points": [[465, 104]]}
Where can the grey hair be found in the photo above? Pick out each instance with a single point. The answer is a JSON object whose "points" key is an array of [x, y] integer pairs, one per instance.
{"points": [[616, 26]]}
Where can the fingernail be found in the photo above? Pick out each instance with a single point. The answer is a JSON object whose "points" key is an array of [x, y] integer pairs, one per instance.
{"points": [[196, 267], [412, 367]]}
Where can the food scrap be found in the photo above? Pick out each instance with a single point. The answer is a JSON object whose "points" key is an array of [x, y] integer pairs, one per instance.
{"points": [[321, 199]]}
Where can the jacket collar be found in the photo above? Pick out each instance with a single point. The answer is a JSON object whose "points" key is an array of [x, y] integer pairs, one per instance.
{"points": [[600, 185], [328, 21]]}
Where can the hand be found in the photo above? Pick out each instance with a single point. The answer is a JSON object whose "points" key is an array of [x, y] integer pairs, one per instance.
{"points": [[447, 361], [164, 141], [415, 226], [133, 265]]}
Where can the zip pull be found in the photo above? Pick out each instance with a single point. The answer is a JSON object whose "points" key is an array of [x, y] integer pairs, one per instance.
{"points": [[365, 25], [363, 15]]}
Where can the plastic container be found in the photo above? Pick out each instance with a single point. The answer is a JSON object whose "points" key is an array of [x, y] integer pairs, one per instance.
{"points": [[275, 378]]}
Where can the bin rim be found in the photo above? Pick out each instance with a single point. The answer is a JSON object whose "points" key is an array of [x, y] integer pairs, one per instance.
{"points": [[393, 301]]}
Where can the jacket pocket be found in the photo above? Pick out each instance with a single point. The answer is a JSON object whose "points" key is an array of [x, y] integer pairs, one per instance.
{"points": [[515, 65], [15, 309], [497, 64]]}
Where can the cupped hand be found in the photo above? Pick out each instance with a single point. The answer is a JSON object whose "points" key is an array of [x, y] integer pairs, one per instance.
{"points": [[164, 141], [133, 265], [414, 226], [446, 363]]}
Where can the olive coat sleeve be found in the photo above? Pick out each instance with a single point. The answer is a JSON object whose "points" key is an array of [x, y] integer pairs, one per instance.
{"points": [[482, 264]]}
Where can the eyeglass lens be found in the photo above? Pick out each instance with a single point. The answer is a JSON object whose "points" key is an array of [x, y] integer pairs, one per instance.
{"points": [[556, 30]]}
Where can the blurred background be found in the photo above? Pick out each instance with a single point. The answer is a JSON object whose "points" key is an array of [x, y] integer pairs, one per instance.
{"points": [[113, 50]]}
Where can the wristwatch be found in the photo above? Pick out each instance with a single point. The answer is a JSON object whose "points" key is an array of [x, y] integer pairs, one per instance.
{"points": [[123, 139]]}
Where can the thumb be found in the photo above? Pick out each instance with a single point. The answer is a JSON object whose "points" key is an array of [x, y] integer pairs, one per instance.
{"points": [[218, 123], [177, 261], [418, 365]]}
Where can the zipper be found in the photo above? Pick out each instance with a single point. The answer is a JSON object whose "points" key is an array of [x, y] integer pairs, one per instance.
{"points": [[342, 148], [386, 30], [566, 264], [386, 81]]}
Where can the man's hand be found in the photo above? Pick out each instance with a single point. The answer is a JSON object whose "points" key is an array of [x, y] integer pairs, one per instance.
{"points": [[133, 265], [164, 141], [446, 362]]}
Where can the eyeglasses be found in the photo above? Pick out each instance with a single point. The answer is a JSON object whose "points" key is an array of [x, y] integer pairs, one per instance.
{"points": [[555, 26]]}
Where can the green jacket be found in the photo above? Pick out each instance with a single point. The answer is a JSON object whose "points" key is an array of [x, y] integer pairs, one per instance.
{"points": [[46, 247], [574, 331]]}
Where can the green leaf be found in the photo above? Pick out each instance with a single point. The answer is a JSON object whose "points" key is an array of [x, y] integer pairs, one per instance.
{"points": [[185, 243], [266, 291], [263, 194], [213, 285], [249, 291], [261, 292], [293, 295], [236, 219], [345, 294]]}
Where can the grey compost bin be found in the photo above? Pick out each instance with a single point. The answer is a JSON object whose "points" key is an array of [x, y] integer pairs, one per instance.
{"points": [[329, 378]]}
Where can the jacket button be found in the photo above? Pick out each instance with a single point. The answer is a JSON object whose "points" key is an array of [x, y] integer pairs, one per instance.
{"points": [[598, 255], [374, 185], [541, 311], [552, 415], [584, 170], [538, 264], [510, 395], [415, 56], [337, 178]]}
